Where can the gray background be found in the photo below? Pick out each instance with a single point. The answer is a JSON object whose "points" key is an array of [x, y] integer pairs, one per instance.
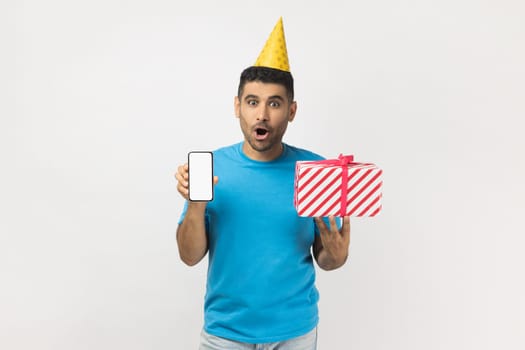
{"points": [[101, 100]]}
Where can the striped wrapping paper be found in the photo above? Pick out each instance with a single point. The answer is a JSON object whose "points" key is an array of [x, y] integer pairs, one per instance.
{"points": [[320, 188]]}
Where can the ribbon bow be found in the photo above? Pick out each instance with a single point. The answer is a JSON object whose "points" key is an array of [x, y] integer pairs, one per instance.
{"points": [[345, 160]]}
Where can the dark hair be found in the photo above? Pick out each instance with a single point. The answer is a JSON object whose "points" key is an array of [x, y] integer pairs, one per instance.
{"points": [[267, 75]]}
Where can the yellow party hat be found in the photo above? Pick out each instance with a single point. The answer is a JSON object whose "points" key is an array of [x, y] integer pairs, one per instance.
{"points": [[274, 54]]}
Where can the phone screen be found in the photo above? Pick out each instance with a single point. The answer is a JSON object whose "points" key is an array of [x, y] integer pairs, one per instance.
{"points": [[200, 173]]}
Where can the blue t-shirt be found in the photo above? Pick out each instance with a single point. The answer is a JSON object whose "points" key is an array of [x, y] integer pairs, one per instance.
{"points": [[261, 277]]}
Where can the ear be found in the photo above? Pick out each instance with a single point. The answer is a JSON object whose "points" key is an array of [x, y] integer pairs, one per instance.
{"points": [[237, 106], [293, 110]]}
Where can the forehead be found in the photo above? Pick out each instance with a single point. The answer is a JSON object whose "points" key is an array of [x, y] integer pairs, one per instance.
{"points": [[263, 90]]}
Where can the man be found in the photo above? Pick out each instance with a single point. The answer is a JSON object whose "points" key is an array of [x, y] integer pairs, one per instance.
{"points": [[261, 290]]}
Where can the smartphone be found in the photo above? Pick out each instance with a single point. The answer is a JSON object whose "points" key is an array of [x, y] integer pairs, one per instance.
{"points": [[200, 176]]}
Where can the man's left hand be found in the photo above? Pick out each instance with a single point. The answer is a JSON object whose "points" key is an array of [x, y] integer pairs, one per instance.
{"points": [[335, 243]]}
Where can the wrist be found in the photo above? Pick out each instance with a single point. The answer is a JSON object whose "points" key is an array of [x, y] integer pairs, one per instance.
{"points": [[198, 206]]}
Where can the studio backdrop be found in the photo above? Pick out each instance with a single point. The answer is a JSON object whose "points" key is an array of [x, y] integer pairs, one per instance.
{"points": [[102, 100]]}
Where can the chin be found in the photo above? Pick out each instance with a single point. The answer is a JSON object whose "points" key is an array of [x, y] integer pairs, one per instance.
{"points": [[261, 148]]}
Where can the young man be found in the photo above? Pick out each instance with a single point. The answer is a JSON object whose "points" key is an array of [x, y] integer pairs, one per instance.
{"points": [[261, 290]]}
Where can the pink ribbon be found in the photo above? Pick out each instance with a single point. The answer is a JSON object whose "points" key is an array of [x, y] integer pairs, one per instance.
{"points": [[342, 161]]}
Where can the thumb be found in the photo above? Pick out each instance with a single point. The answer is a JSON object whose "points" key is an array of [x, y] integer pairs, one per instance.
{"points": [[215, 180]]}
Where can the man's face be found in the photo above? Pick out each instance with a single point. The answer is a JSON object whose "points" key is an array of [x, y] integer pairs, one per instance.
{"points": [[264, 112]]}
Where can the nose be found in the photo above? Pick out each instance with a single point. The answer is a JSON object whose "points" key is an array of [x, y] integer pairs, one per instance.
{"points": [[262, 114]]}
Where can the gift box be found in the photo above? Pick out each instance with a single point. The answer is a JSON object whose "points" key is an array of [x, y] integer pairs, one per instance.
{"points": [[339, 187]]}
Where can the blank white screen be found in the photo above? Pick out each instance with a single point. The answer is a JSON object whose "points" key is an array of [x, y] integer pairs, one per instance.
{"points": [[200, 176]]}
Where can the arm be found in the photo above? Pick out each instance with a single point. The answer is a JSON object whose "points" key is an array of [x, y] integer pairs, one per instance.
{"points": [[191, 233], [331, 246]]}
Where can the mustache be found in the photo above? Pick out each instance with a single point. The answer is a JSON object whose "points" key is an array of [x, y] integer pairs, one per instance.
{"points": [[262, 125]]}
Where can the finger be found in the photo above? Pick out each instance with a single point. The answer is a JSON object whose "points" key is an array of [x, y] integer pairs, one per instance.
{"points": [[184, 171], [183, 191], [333, 224], [215, 180], [181, 180], [321, 225], [345, 229]]}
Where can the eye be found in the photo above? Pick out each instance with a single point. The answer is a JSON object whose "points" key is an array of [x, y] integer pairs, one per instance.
{"points": [[275, 104], [252, 102]]}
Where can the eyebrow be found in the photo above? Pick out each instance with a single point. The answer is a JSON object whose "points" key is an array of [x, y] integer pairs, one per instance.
{"points": [[274, 97]]}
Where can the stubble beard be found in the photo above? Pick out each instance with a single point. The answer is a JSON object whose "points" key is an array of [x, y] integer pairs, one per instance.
{"points": [[262, 146], [273, 142]]}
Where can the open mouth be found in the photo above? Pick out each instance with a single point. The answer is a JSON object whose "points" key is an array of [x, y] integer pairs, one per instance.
{"points": [[261, 133]]}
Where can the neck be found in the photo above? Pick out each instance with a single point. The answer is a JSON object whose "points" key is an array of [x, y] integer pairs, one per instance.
{"points": [[262, 156]]}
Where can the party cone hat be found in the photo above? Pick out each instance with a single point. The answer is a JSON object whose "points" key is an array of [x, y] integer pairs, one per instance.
{"points": [[274, 53]]}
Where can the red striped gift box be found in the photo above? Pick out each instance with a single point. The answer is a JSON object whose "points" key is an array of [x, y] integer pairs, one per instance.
{"points": [[339, 187]]}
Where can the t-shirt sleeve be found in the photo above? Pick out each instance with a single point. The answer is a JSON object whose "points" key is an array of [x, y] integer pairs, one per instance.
{"points": [[183, 214]]}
